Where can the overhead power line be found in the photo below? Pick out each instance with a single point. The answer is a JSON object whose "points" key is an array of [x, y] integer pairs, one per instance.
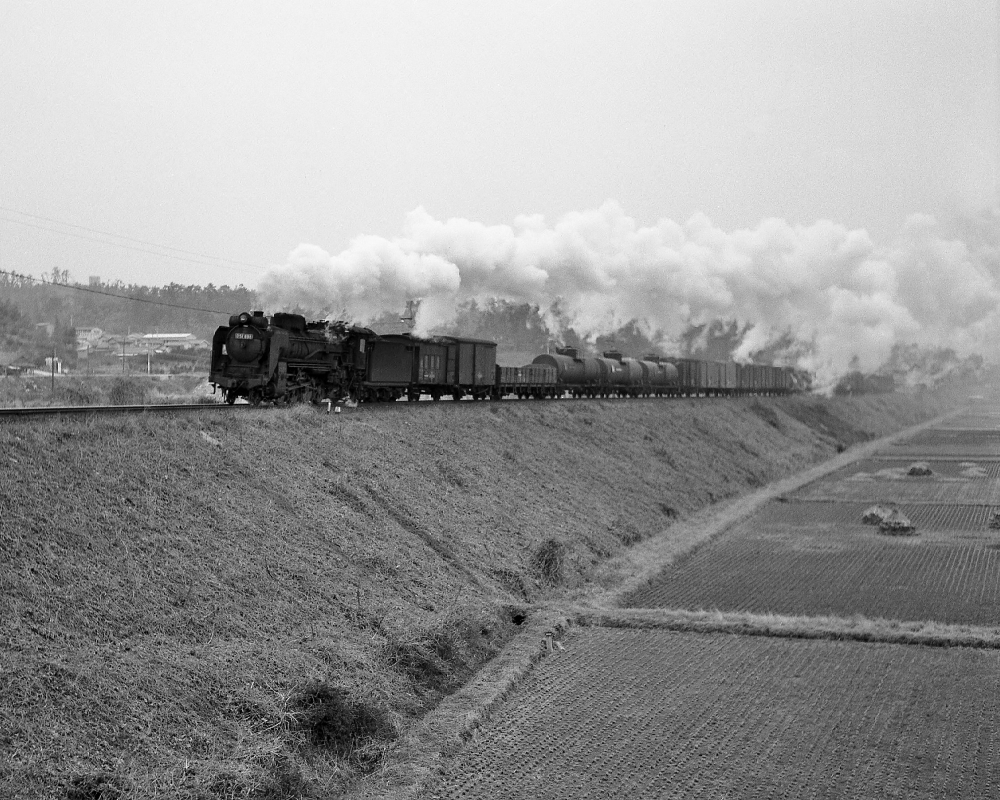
{"points": [[91, 290], [183, 255]]}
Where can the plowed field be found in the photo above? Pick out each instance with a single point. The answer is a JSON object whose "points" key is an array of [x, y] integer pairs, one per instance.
{"points": [[807, 570], [948, 443], [952, 481], [651, 714], [974, 435], [811, 554], [934, 437], [980, 419]]}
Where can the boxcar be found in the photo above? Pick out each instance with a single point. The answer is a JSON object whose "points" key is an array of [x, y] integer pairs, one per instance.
{"points": [[403, 365], [471, 364]]}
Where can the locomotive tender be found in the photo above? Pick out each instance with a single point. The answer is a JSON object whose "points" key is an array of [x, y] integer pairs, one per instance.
{"points": [[285, 358]]}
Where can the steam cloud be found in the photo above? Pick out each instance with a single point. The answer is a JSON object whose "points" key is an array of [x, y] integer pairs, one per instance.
{"points": [[832, 298]]}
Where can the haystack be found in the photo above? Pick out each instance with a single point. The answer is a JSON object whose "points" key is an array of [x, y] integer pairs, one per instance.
{"points": [[875, 515], [897, 524]]}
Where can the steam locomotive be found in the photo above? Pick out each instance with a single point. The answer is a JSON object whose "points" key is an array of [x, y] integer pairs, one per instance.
{"points": [[285, 358]]}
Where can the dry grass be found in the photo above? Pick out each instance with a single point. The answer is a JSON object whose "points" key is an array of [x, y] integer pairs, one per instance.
{"points": [[548, 561], [168, 587], [92, 390]]}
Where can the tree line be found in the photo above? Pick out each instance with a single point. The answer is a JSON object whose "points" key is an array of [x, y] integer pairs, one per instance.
{"points": [[114, 307]]}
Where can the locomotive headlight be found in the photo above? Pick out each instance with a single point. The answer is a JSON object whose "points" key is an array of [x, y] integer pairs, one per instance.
{"points": [[244, 318]]}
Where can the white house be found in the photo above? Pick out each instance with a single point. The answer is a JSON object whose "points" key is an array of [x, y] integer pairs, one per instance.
{"points": [[85, 336], [171, 341]]}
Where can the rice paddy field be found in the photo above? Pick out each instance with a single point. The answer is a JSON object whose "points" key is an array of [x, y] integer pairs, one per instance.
{"points": [[658, 714], [809, 553], [827, 563], [647, 708]]}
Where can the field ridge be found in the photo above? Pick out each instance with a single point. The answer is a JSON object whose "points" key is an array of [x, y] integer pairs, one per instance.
{"points": [[856, 628]]}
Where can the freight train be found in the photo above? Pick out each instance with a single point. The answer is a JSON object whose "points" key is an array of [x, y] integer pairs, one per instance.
{"points": [[285, 358]]}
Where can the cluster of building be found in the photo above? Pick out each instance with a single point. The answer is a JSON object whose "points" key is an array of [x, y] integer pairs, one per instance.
{"points": [[95, 348], [93, 340]]}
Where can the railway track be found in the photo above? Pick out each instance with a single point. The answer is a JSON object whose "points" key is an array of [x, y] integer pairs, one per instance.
{"points": [[369, 407], [40, 411]]}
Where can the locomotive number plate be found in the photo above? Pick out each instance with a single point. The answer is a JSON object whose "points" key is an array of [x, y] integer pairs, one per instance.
{"points": [[244, 336]]}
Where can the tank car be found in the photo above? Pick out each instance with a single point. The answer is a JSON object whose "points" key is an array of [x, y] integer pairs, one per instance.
{"points": [[582, 377], [609, 375], [660, 375]]}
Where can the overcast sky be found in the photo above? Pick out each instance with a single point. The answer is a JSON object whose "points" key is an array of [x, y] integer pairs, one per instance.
{"points": [[241, 130]]}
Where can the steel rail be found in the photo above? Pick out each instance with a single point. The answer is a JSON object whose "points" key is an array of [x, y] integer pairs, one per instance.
{"points": [[37, 411], [370, 407]]}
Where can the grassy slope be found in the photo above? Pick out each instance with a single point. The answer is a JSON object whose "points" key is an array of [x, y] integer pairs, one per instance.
{"points": [[169, 585], [112, 389]]}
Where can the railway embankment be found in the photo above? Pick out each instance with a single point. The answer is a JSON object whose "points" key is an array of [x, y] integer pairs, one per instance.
{"points": [[258, 604]]}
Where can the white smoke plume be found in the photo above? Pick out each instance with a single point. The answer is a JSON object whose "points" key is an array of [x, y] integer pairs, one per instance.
{"points": [[841, 300]]}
